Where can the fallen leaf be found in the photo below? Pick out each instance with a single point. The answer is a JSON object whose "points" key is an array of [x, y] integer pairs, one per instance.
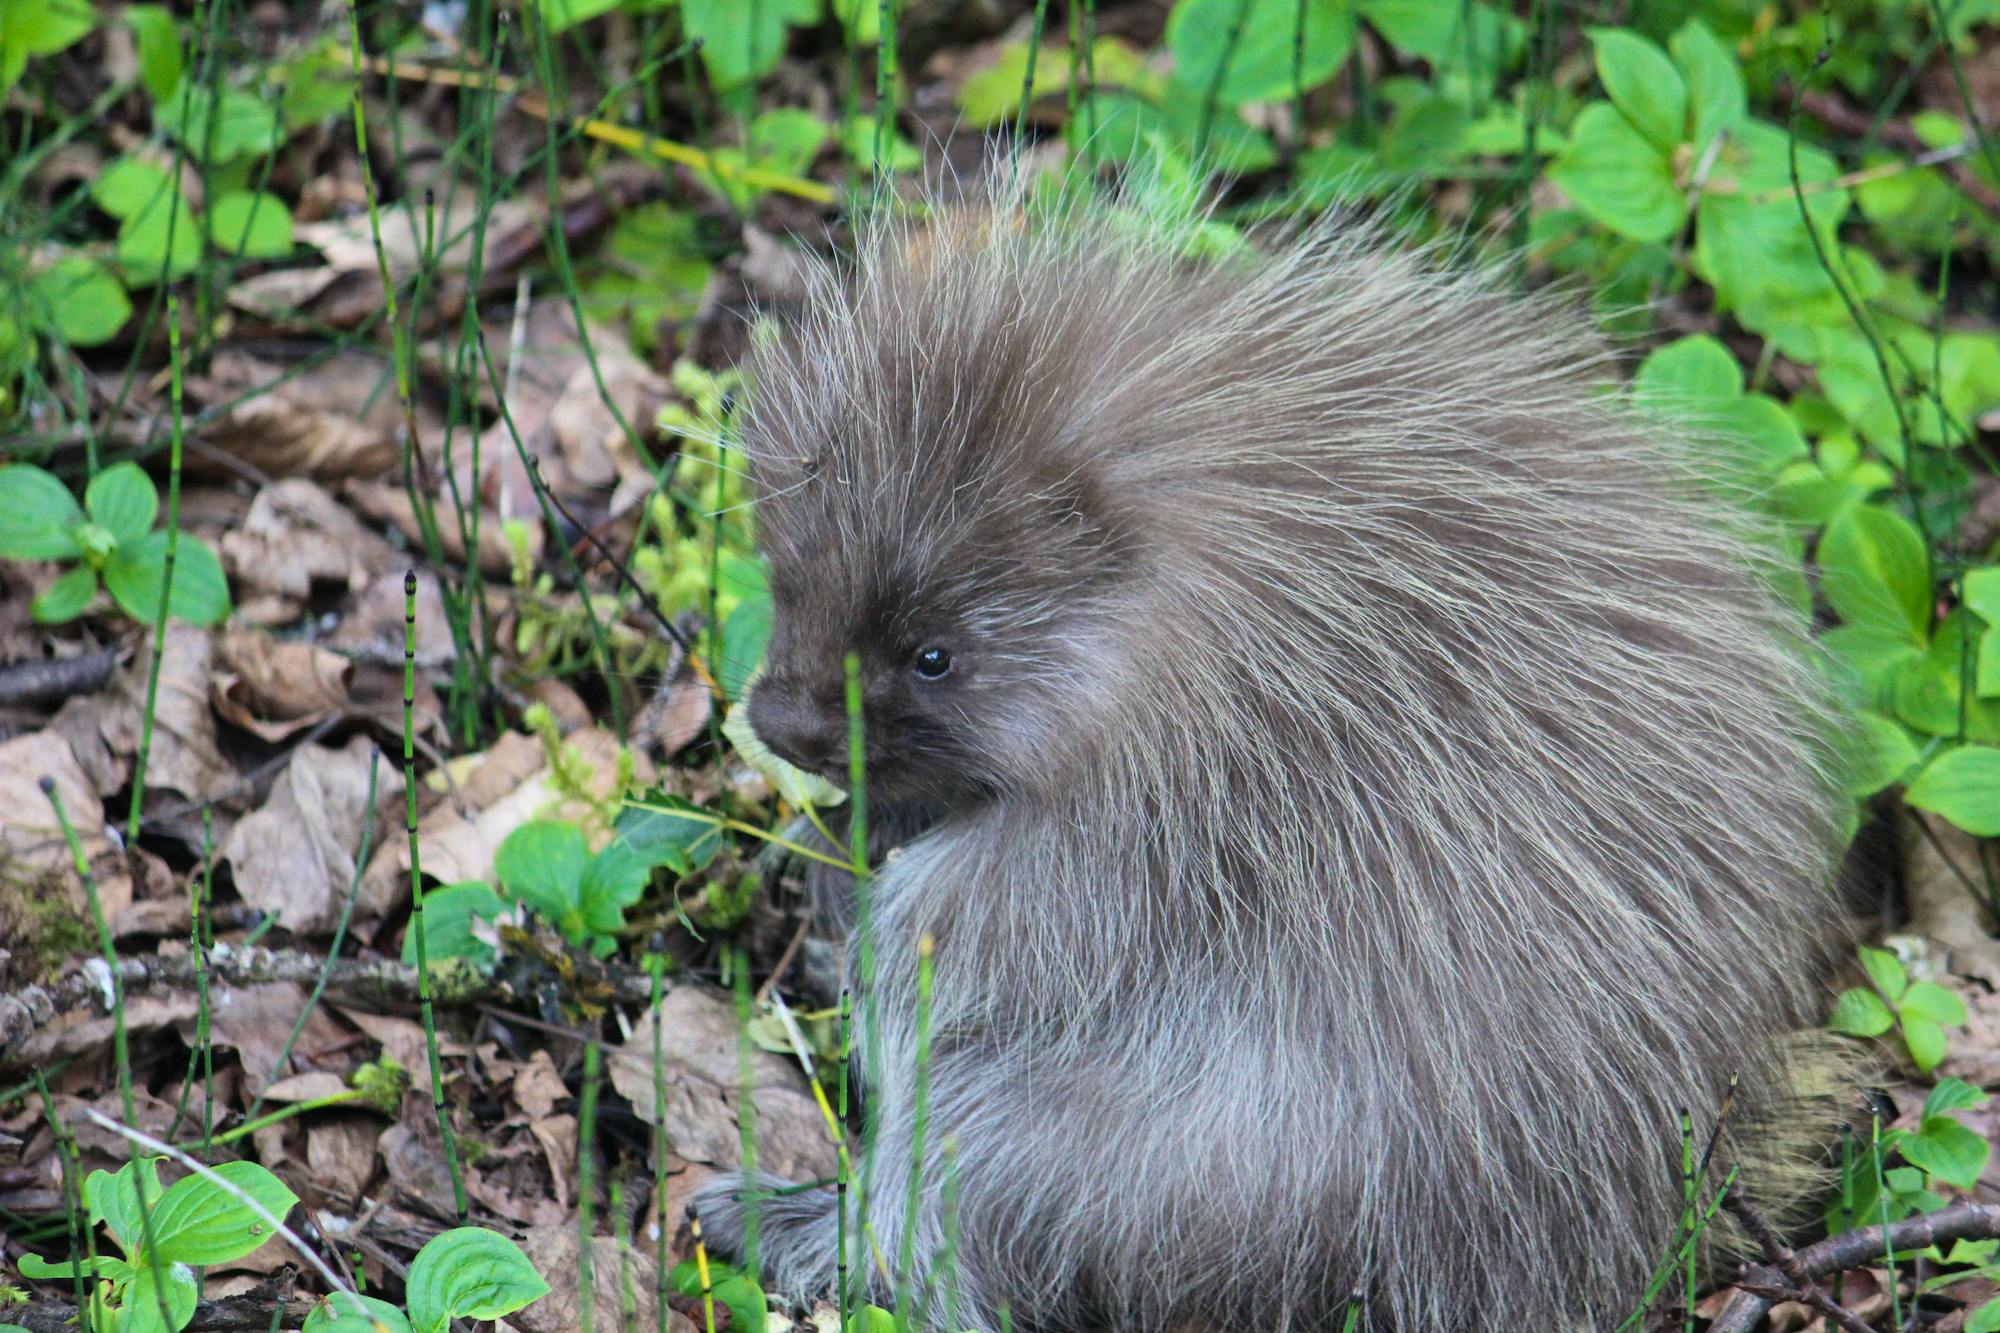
{"points": [[294, 857], [272, 688]]}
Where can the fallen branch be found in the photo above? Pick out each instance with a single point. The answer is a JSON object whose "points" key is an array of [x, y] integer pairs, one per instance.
{"points": [[1762, 1286]]}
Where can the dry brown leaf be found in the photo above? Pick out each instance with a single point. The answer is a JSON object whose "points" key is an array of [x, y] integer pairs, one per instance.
{"points": [[255, 1021], [391, 505], [403, 1041], [538, 1087], [296, 535], [334, 417], [699, 1061], [294, 857], [459, 838], [557, 1252], [272, 688], [340, 1155], [32, 847], [184, 765]]}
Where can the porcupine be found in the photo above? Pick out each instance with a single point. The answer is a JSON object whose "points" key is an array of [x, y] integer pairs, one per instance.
{"points": [[1372, 787]]}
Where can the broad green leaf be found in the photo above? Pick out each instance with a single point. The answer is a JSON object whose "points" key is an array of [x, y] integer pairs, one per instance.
{"points": [[1262, 61], [1875, 571], [1926, 1042], [31, 28], [448, 931], [541, 863], [1926, 694], [1986, 1319], [245, 124], [1698, 369], [1714, 82], [1927, 999], [1885, 969], [86, 305], [1953, 1094], [873, 1319], [1982, 595], [740, 42], [135, 574], [469, 1273], [1884, 753], [201, 1223], [252, 224], [1948, 1150], [1752, 246], [159, 49], [1861, 1013], [744, 1300], [346, 1312], [37, 515], [123, 500], [1963, 785], [129, 186], [162, 241], [34, 1266], [1643, 84], [1451, 37], [1618, 177], [744, 635], [561, 15], [139, 1311], [993, 95], [114, 1199], [67, 598]]}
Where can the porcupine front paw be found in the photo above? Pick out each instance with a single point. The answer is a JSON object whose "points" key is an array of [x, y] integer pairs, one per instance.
{"points": [[796, 1232]]}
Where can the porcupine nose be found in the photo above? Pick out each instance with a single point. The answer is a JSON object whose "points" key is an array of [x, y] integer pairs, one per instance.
{"points": [[797, 729]]}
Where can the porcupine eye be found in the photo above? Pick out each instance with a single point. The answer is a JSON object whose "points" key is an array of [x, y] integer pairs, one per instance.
{"points": [[933, 663]]}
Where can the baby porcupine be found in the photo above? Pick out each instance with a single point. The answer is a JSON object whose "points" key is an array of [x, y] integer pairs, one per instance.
{"points": [[1375, 789]]}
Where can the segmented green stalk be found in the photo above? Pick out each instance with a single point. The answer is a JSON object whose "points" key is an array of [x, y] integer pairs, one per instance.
{"points": [[132, 819], [586, 1190]]}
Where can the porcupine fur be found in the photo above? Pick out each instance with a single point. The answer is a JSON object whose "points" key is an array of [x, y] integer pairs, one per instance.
{"points": [[1375, 788]]}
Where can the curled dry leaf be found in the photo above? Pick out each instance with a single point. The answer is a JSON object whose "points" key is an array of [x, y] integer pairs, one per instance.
{"points": [[556, 1251], [329, 419], [272, 688], [294, 857], [698, 1055], [184, 765], [33, 853], [296, 535]]}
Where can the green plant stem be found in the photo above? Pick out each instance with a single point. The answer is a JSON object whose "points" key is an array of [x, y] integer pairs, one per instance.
{"points": [[82, 1236], [844, 1165], [919, 1123], [132, 819], [120, 1041], [417, 890], [885, 91], [658, 965], [864, 939], [746, 1107], [285, 1113], [1027, 88], [200, 939], [1212, 96]]}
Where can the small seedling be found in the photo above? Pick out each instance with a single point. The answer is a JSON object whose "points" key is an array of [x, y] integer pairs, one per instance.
{"points": [[1922, 1010], [112, 538]]}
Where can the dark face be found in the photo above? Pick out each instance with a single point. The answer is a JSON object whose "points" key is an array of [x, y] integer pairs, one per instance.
{"points": [[978, 649]]}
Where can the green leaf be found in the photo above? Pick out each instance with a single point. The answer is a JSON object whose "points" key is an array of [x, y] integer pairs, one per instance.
{"points": [[1982, 595], [135, 574], [1619, 178], [1875, 571], [562, 15], [1953, 1094], [123, 500], [1963, 785], [1643, 84], [130, 186], [37, 515], [1885, 969], [1450, 37], [114, 1199], [139, 1310], [1861, 1013], [245, 125], [1948, 1150], [1986, 1319], [652, 827], [252, 224], [1714, 82], [1263, 60], [1927, 999], [469, 1273], [159, 49], [741, 652], [1689, 370], [1926, 1042], [338, 1313], [67, 598], [745, 1302], [34, 1266], [200, 1223], [31, 28], [86, 305], [873, 1319], [1884, 753], [798, 787], [163, 240], [993, 95], [448, 916], [541, 863], [741, 43]]}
